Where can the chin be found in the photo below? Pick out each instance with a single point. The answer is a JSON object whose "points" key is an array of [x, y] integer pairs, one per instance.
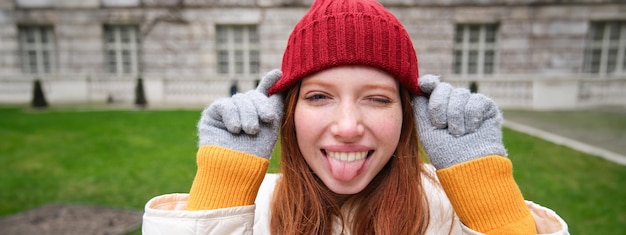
{"points": [[346, 188]]}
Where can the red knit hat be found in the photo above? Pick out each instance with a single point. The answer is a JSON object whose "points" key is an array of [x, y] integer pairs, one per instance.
{"points": [[348, 32]]}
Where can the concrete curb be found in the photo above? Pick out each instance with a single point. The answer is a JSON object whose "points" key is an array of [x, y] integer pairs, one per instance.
{"points": [[603, 153]]}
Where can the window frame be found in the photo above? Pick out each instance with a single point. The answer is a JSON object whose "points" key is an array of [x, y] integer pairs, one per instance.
{"points": [[237, 54], [44, 51], [464, 47], [601, 66], [119, 63]]}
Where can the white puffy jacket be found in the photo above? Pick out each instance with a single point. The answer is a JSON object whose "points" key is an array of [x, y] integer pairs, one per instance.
{"points": [[166, 214]]}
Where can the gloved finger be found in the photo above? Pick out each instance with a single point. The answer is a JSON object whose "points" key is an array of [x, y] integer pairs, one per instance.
{"points": [[262, 105], [207, 121], [247, 113], [269, 80], [479, 109], [428, 83], [456, 111], [224, 110], [438, 105], [276, 104], [420, 108]]}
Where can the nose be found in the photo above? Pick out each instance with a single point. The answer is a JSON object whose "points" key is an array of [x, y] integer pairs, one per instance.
{"points": [[348, 125]]}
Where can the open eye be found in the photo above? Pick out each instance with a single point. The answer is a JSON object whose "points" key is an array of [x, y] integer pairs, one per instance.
{"points": [[316, 97]]}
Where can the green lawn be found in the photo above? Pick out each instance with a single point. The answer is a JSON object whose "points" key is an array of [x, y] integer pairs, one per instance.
{"points": [[115, 158], [587, 191], [123, 158]]}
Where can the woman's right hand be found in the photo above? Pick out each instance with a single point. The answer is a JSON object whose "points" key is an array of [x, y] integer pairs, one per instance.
{"points": [[246, 122]]}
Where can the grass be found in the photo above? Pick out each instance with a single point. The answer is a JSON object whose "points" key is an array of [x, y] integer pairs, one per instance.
{"points": [[586, 191], [123, 158], [115, 158]]}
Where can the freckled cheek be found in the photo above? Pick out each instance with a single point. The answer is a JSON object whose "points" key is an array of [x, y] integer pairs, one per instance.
{"points": [[307, 123], [387, 125]]}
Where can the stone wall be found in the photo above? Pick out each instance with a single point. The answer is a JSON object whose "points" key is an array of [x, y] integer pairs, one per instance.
{"points": [[178, 36], [536, 37]]}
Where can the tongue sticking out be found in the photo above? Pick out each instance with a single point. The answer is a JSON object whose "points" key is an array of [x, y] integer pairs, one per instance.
{"points": [[345, 171]]}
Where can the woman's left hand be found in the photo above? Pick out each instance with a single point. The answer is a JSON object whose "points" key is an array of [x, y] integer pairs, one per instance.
{"points": [[455, 125]]}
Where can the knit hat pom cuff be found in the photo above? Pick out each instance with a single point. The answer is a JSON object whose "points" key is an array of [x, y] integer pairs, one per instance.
{"points": [[344, 32]]}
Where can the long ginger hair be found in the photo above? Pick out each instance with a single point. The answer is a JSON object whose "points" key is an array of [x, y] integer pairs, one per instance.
{"points": [[393, 203]]}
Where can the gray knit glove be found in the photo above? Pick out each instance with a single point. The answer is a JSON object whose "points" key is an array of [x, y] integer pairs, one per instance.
{"points": [[246, 122], [455, 125]]}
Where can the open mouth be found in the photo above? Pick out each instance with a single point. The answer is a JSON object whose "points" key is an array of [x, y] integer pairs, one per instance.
{"points": [[348, 156]]}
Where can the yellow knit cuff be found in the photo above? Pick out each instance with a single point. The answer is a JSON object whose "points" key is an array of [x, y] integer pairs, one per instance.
{"points": [[225, 178], [486, 197]]}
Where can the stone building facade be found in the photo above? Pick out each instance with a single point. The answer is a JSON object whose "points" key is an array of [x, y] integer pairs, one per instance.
{"points": [[523, 52]]}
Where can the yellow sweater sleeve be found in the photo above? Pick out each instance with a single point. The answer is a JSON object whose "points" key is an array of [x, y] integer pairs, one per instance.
{"points": [[486, 197], [225, 178]]}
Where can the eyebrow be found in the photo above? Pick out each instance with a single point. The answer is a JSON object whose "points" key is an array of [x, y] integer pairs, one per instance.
{"points": [[367, 86], [384, 87]]}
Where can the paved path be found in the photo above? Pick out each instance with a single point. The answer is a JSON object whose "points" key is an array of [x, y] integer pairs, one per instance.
{"points": [[600, 131], [571, 143], [69, 219]]}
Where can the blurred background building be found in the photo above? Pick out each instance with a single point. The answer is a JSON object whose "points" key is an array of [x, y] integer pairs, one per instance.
{"points": [[529, 54]]}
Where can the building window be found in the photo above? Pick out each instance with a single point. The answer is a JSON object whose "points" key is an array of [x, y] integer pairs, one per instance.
{"points": [[605, 52], [237, 49], [121, 46], [475, 48], [37, 49]]}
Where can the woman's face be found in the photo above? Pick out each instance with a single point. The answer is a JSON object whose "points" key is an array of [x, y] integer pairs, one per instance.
{"points": [[348, 122]]}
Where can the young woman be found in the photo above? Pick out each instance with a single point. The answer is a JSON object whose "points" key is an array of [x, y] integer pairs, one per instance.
{"points": [[350, 109]]}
